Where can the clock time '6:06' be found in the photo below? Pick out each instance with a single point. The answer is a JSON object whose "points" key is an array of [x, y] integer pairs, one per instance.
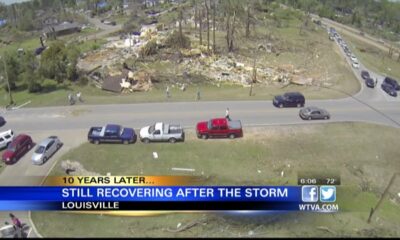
{"points": [[318, 181]]}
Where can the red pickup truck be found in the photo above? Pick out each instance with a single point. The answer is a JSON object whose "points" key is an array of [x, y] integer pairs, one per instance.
{"points": [[219, 128]]}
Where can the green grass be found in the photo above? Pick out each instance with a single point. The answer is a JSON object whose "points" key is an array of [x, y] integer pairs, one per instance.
{"points": [[93, 95], [257, 159], [27, 44], [374, 58]]}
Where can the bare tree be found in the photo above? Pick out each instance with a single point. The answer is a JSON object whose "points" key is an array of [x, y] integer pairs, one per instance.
{"points": [[180, 23], [195, 15], [208, 24], [230, 30], [214, 43], [254, 76], [248, 19], [201, 25]]}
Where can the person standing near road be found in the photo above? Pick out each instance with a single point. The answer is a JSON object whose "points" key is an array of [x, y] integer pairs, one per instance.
{"points": [[167, 92], [17, 223], [71, 99], [376, 81], [79, 96], [198, 94], [227, 114]]}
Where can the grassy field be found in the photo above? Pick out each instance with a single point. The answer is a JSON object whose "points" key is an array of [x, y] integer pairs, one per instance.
{"points": [[374, 58], [2, 165], [359, 152], [208, 92]]}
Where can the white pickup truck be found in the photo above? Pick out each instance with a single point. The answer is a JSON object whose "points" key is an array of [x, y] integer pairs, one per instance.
{"points": [[161, 132], [6, 138]]}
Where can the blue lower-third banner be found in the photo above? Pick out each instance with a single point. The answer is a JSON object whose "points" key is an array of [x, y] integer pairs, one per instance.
{"points": [[162, 198]]}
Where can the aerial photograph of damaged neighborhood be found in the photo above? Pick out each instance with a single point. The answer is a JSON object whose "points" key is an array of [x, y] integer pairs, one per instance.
{"points": [[234, 92]]}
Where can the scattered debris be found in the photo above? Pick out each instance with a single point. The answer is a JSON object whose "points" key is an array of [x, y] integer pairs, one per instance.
{"points": [[183, 169], [187, 226], [76, 169], [323, 228]]}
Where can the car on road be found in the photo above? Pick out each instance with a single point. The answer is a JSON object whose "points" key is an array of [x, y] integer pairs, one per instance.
{"points": [[389, 89], [289, 99], [365, 74], [355, 65], [107, 22], [17, 148], [161, 132], [353, 58], [219, 128], [392, 82], [111, 133], [312, 113], [2, 121], [6, 138], [46, 149], [370, 82]]}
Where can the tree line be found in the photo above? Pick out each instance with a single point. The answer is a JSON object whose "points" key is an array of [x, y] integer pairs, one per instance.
{"points": [[28, 71]]}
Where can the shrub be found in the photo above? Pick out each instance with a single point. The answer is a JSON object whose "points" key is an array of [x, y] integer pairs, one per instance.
{"points": [[83, 81], [34, 87], [175, 40], [149, 49]]}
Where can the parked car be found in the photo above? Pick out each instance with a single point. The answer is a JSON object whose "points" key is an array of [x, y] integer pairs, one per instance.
{"points": [[219, 128], [8, 231], [17, 148], [348, 53], [353, 58], [289, 99], [370, 82], [112, 133], [389, 89], [311, 113], [392, 82], [6, 138], [355, 65], [2, 121], [46, 149], [365, 74], [161, 132]]}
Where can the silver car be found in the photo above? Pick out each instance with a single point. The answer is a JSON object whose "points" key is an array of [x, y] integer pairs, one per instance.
{"points": [[310, 113], [46, 149]]}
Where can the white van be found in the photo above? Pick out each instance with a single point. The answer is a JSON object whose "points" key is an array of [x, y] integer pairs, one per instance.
{"points": [[6, 138]]}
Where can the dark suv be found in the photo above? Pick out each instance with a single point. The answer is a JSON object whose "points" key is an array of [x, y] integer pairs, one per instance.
{"points": [[392, 82], [365, 75], [289, 99]]}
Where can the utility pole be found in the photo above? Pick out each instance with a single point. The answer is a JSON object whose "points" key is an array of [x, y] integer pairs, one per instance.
{"points": [[8, 83], [382, 197]]}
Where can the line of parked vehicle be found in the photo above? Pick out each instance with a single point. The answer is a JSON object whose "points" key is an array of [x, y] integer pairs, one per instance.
{"points": [[164, 132], [18, 146], [389, 85]]}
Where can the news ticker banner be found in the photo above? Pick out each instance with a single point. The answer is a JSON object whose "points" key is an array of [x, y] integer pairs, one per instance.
{"points": [[168, 198]]}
